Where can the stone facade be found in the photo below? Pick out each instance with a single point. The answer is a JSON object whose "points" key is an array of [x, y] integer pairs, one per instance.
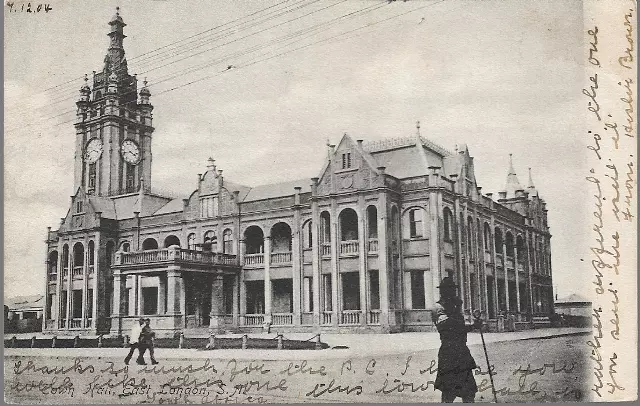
{"points": [[362, 247]]}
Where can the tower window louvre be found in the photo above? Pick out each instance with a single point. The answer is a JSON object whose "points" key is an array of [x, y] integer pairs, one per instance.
{"points": [[346, 160]]}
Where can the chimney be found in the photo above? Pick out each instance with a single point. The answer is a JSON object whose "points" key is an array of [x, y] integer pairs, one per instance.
{"points": [[359, 143], [502, 195], [296, 196], [434, 169], [185, 203], [314, 186], [199, 180], [381, 169], [490, 195]]}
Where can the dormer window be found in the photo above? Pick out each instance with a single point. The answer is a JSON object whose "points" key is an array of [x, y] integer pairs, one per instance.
{"points": [[346, 160], [79, 207], [209, 206]]}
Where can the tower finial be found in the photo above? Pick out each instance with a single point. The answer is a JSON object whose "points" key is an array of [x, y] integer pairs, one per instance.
{"points": [[117, 10], [511, 170], [211, 164], [418, 125]]}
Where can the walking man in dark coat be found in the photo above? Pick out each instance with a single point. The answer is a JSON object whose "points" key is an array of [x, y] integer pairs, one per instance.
{"points": [[146, 340], [455, 363]]}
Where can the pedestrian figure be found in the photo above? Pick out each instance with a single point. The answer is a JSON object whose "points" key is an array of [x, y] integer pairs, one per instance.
{"points": [[455, 363], [146, 340], [134, 342]]}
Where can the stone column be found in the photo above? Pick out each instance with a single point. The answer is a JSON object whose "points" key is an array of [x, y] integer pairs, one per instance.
{"points": [[59, 282], [236, 285], [315, 259], [139, 298], [383, 259], [85, 294], [267, 282], [162, 294], [362, 248], [174, 304], [335, 252], [494, 258], [69, 285], [242, 286], [506, 272], [434, 249], [527, 242], [119, 286], [216, 320], [296, 260], [96, 270], [515, 268]]}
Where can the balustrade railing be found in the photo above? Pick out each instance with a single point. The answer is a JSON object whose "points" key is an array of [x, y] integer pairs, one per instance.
{"points": [[89, 322], [373, 245], [92, 269], [326, 249], [53, 277], [282, 319], [253, 319], [326, 318], [349, 247], [76, 323], [374, 317], [65, 272], [254, 259], [280, 257], [350, 317], [174, 254], [77, 271]]}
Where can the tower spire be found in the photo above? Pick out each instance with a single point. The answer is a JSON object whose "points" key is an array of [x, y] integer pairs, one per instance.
{"points": [[513, 184], [531, 189], [114, 60]]}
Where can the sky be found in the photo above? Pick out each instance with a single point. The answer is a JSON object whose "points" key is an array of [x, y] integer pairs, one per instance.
{"points": [[500, 76]]}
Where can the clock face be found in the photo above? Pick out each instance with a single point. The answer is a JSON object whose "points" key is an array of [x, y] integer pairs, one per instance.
{"points": [[93, 150], [130, 151]]}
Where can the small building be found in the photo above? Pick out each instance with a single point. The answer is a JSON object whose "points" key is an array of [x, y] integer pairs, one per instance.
{"points": [[24, 314], [573, 305]]}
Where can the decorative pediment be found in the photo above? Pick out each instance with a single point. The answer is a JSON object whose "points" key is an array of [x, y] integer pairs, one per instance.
{"points": [[82, 214], [348, 167]]}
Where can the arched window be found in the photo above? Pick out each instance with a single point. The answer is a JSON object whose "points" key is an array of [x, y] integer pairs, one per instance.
{"points": [[498, 237], [281, 238], [125, 246], [53, 263], [372, 221], [171, 240], [65, 256], [447, 224], [227, 241], [415, 223], [348, 225], [254, 240], [395, 227], [92, 254], [149, 244], [520, 248], [210, 242], [110, 252], [307, 234], [487, 237], [509, 244], [325, 228], [191, 242], [78, 255]]}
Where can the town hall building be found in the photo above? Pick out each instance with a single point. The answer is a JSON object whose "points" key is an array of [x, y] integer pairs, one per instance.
{"points": [[361, 247]]}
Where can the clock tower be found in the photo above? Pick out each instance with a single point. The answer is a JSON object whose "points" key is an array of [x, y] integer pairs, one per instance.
{"points": [[113, 126]]}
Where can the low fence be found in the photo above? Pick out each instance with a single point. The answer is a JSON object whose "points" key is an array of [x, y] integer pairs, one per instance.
{"points": [[244, 342]]}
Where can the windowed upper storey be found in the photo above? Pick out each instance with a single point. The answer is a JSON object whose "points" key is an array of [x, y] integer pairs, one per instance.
{"points": [[346, 160], [209, 206]]}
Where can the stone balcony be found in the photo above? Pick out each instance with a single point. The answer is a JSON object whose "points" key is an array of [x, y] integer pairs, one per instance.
{"points": [[160, 258]]}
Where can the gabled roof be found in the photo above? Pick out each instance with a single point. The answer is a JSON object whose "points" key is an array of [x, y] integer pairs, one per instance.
{"points": [[174, 206], [574, 298], [277, 190], [404, 162], [24, 302]]}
